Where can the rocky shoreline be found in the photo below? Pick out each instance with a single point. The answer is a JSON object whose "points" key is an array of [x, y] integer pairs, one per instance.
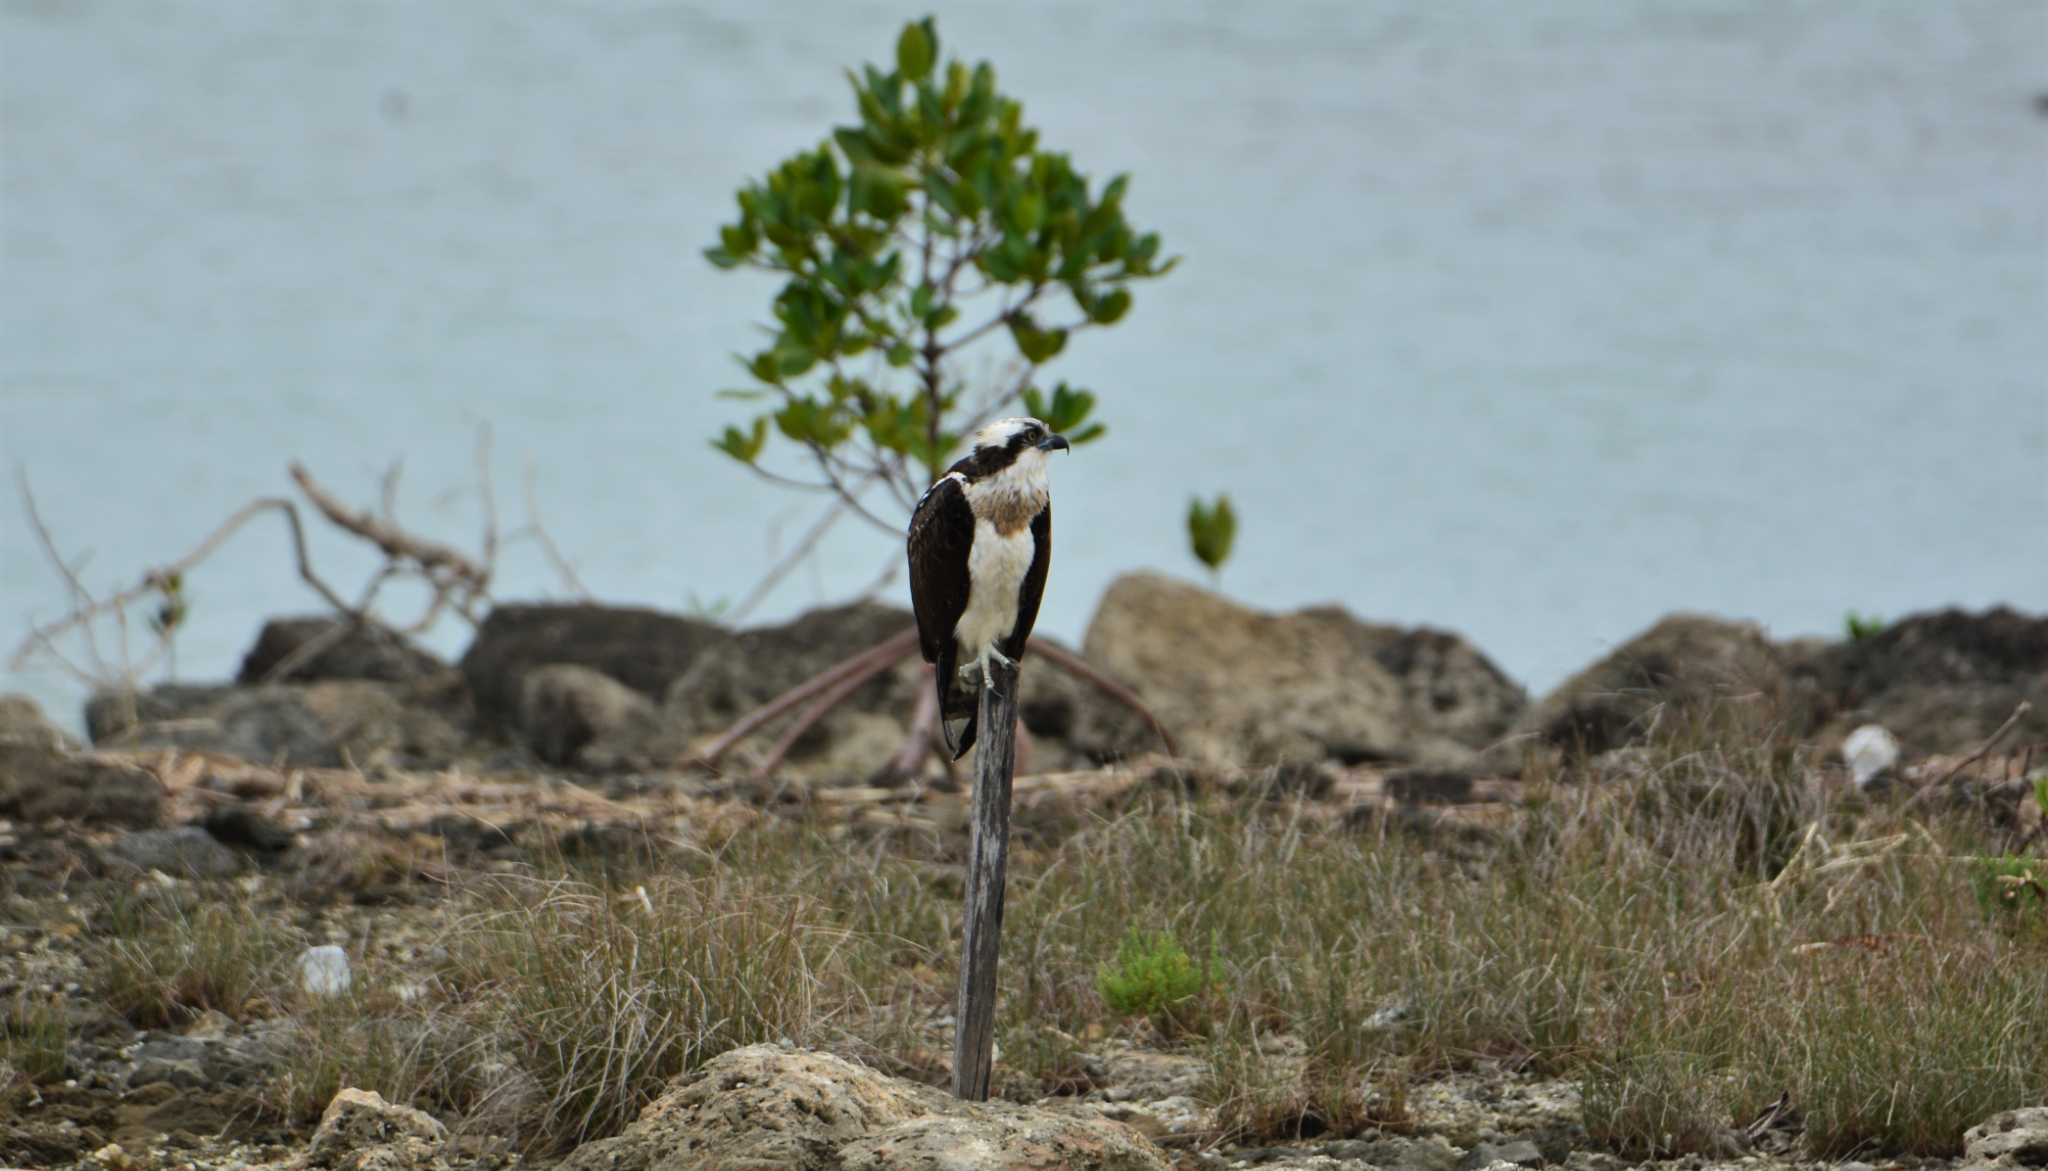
{"points": [[346, 780]]}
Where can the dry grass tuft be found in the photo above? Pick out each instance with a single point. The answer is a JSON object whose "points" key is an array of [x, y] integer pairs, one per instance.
{"points": [[162, 962]]}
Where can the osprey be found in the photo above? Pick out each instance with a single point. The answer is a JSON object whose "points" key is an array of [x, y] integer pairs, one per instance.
{"points": [[980, 543]]}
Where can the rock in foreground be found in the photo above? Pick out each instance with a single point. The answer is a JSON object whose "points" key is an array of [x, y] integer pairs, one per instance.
{"points": [[2015, 1138], [769, 1106]]}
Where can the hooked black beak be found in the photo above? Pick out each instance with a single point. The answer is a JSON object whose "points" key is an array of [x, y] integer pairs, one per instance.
{"points": [[1053, 443]]}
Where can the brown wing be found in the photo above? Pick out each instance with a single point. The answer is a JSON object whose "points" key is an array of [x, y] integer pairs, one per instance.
{"points": [[1032, 590], [941, 533]]}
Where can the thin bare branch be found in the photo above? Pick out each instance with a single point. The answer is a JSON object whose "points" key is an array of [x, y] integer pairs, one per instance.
{"points": [[832, 697], [80, 597], [153, 580], [789, 561], [392, 542], [539, 532], [885, 653]]}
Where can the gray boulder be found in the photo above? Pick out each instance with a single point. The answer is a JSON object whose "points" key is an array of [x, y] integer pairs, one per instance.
{"points": [[1242, 686], [564, 707], [644, 649], [327, 647], [22, 723], [360, 1131], [2012, 1139], [769, 1106], [183, 852], [37, 784], [743, 670], [314, 725], [112, 711], [1940, 681], [1684, 665]]}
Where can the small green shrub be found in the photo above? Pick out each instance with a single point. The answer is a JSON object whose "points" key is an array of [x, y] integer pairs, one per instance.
{"points": [[1861, 626], [1154, 977], [2010, 884]]}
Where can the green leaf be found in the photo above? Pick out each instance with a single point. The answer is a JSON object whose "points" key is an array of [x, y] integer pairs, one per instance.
{"points": [[900, 355], [1110, 308], [1027, 213], [916, 49], [1211, 530], [1085, 434], [1037, 345], [721, 258], [792, 359], [744, 446]]}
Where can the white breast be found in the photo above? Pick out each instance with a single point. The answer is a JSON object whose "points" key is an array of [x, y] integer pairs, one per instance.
{"points": [[996, 565]]}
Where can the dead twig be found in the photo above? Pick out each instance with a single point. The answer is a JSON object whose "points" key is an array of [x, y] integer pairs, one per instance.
{"points": [[885, 653], [89, 608], [455, 578], [534, 529], [2011, 721], [834, 686]]}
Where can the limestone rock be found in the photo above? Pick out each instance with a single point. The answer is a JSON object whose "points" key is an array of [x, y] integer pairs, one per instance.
{"points": [[1454, 691], [1940, 681], [348, 650], [564, 707], [1240, 685], [319, 725], [22, 723], [110, 712], [770, 1106], [644, 649], [37, 784], [1682, 663], [184, 852], [2015, 1138], [747, 668], [360, 1131]]}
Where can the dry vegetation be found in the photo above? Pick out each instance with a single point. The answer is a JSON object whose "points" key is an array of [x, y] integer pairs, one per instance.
{"points": [[1693, 936]]}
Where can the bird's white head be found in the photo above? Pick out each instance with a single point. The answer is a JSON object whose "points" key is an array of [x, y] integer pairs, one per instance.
{"points": [[1008, 442], [1005, 473]]}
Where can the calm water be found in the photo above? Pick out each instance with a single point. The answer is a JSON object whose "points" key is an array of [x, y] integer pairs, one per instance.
{"points": [[1530, 321]]}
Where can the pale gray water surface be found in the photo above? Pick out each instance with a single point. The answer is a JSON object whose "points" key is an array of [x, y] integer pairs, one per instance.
{"points": [[1530, 321]]}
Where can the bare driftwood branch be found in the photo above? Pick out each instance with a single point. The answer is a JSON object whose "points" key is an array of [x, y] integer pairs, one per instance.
{"points": [[887, 652], [437, 561], [454, 580], [835, 683], [539, 533], [832, 697], [86, 608]]}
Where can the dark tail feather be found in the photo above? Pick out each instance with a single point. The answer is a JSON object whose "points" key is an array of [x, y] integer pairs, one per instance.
{"points": [[966, 735], [955, 704]]}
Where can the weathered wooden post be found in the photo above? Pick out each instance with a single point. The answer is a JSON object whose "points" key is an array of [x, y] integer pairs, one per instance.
{"points": [[988, 856]]}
